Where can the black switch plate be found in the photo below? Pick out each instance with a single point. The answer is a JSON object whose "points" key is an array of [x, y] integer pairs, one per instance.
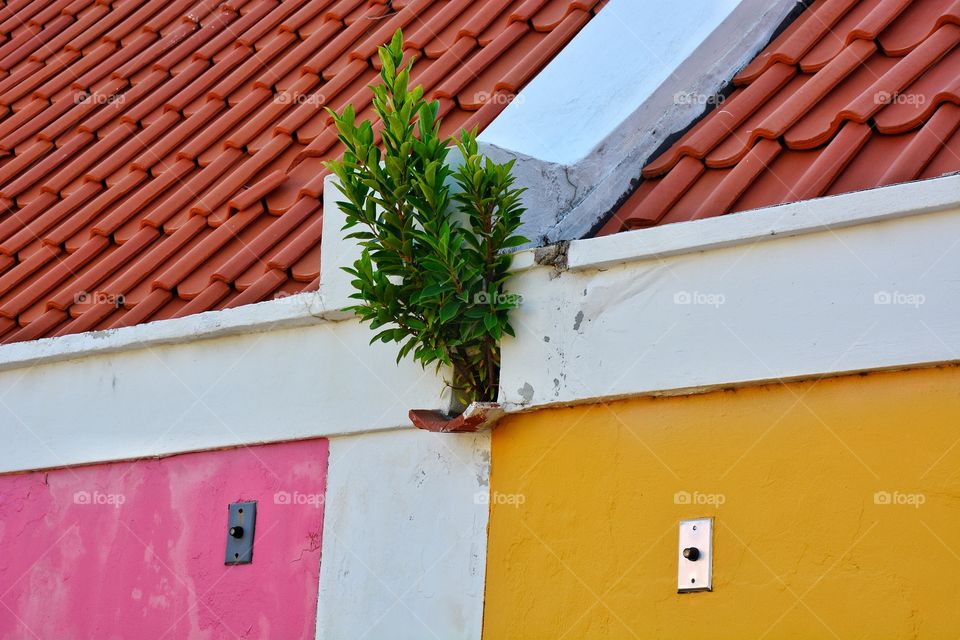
{"points": [[241, 522]]}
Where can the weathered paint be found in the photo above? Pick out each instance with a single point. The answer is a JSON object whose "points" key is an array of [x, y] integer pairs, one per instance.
{"points": [[836, 506], [136, 549]]}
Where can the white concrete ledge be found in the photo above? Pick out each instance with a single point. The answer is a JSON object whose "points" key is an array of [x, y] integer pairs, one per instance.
{"points": [[292, 311], [781, 293], [269, 385], [796, 218]]}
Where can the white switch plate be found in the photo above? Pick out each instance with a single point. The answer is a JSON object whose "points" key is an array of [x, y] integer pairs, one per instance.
{"points": [[695, 575]]}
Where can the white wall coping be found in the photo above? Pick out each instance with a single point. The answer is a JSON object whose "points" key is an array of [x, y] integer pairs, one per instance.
{"points": [[795, 218], [615, 63], [288, 312]]}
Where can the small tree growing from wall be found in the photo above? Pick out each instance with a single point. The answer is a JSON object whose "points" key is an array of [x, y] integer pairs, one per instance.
{"points": [[432, 269]]}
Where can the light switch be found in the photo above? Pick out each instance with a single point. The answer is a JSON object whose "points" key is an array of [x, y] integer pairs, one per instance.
{"points": [[241, 520], [695, 556]]}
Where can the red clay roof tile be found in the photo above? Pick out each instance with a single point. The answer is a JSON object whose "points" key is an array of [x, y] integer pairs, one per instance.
{"points": [[260, 288], [739, 179], [915, 105], [669, 190], [854, 94], [924, 146], [809, 29], [828, 164], [916, 24], [823, 121], [537, 57], [89, 279], [902, 74], [38, 328], [488, 55], [813, 91], [120, 123], [865, 21], [50, 279]]}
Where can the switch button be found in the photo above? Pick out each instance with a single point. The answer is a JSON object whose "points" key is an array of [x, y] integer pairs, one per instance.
{"points": [[695, 555]]}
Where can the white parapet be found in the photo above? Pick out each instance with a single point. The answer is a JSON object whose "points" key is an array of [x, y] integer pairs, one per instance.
{"points": [[857, 282], [275, 384]]}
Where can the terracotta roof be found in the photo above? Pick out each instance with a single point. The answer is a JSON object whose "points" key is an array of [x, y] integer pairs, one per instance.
{"points": [[852, 95], [163, 157]]}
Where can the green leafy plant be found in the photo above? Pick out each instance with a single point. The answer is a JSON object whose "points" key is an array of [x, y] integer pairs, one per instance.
{"points": [[432, 270]]}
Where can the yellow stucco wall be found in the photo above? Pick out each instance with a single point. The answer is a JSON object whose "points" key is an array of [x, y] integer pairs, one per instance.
{"points": [[584, 521]]}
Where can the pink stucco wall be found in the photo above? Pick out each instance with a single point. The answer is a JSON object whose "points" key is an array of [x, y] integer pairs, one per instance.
{"points": [[135, 549]]}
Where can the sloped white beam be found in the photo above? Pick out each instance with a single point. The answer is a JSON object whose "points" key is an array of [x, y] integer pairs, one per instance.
{"points": [[637, 73]]}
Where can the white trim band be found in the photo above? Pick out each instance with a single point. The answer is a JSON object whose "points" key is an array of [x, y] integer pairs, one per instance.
{"points": [[795, 218]]}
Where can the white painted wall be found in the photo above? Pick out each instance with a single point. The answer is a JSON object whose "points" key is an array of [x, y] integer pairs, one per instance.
{"points": [[583, 128], [404, 540], [858, 282], [314, 380]]}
